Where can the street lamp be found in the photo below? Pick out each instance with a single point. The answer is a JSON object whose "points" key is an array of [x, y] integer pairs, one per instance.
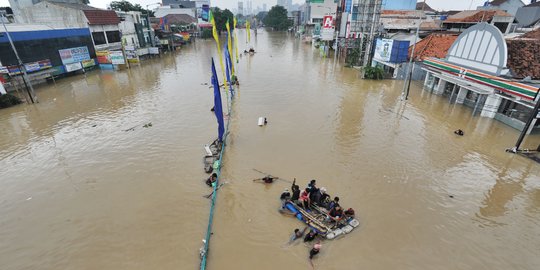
{"points": [[26, 81]]}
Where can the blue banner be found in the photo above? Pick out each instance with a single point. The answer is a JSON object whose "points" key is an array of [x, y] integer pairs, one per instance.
{"points": [[204, 12], [218, 108], [228, 69], [348, 6]]}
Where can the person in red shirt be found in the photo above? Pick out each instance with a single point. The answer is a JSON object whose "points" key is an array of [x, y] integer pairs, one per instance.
{"points": [[304, 198]]}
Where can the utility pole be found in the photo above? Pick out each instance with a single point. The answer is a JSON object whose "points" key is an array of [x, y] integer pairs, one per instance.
{"points": [[407, 85], [532, 116], [27, 83]]}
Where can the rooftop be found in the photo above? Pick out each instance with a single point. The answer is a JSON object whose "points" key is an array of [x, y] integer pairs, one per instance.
{"points": [[535, 34], [179, 19], [434, 45], [101, 17], [474, 16], [425, 7], [524, 57]]}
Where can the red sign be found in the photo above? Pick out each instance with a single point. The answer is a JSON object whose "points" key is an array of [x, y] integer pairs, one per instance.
{"points": [[328, 22]]}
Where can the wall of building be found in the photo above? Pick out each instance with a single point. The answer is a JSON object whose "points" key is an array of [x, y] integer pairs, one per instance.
{"points": [[51, 15], [164, 11], [510, 6], [127, 28], [318, 9]]}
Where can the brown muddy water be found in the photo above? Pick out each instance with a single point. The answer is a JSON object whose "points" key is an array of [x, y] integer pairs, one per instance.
{"points": [[79, 192]]}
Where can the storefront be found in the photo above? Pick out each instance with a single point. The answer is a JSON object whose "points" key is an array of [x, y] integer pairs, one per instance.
{"points": [[474, 74]]}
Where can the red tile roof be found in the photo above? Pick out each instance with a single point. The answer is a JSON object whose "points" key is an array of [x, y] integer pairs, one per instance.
{"points": [[474, 16], [434, 45], [101, 17], [524, 57], [535, 34]]}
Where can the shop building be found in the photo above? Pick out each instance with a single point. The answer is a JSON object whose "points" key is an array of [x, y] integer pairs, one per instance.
{"points": [[477, 73]]}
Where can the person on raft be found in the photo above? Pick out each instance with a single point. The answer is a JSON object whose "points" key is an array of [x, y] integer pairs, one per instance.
{"points": [[211, 180], [267, 179], [251, 51], [304, 198], [285, 197], [310, 236], [333, 203], [336, 214], [295, 192], [459, 132]]}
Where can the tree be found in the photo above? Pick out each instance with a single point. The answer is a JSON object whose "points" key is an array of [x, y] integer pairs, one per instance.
{"points": [[277, 18], [261, 15], [221, 16], [124, 5]]}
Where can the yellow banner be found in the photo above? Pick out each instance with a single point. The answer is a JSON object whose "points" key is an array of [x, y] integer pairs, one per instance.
{"points": [[220, 55], [229, 43], [248, 31], [235, 39]]}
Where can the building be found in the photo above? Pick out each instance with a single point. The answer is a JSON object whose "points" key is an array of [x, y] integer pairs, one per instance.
{"points": [[103, 24], [399, 4], [510, 6], [317, 9], [240, 8], [45, 51], [480, 72], [467, 18], [128, 20], [162, 11], [408, 21], [529, 16]]}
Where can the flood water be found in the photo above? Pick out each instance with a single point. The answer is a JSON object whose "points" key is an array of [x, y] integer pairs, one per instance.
{"points": [[78, 191]]}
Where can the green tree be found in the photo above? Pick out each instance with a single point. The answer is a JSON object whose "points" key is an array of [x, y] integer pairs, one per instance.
{"points": [[277, 18], [124, 5], [221, 16], [261, 15]]}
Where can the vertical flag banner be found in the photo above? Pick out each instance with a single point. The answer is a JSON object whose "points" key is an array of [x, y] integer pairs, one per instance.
{"points": [[228, 67], [235, 39], [218, 108], [216, 38], [248, 31], [229, 43]]}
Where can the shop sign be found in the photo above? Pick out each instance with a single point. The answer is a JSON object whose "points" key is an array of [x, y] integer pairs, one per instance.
{"points": [[73, 67], [88, 63], [327, 31], [103, 57], [117, 58], [73, 55], [153, 50], [383, 49]]}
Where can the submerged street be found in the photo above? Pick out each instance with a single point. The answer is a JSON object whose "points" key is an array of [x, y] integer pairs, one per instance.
{"points": [[85, 186]]}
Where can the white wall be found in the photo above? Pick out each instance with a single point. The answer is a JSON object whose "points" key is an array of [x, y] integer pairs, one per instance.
{"points": [[319, 10], [127, 27], [51, 15], [166, 10]]}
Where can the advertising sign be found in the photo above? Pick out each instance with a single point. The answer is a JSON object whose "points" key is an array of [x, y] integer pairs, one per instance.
{"points": [[73, 55], [88, 63], [30, 67], [327, 31], [4, 70], [153, 50], [117, 57], [73, 67], [383, 49], [204, 13], [103, 57]]}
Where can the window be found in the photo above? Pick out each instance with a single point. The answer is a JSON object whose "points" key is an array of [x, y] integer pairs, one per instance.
{"points": [[113, 36], [99, 38]]}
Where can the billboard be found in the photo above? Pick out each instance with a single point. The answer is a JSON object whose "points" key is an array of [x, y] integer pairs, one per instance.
{"points": [[327, 31], [383, 49], [103, 57], [205, 12], [73, 67], [74, 55], [117, 57]]}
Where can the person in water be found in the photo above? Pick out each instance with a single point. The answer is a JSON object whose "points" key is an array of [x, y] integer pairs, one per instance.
{"points": [[310, 236], [211, 180], [315, 250], [285, 197], [267, 179], [459, 132], [297, 234]]}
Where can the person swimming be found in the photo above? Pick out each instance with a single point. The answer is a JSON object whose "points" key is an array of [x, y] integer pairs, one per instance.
{"points": [[459, 132]]}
